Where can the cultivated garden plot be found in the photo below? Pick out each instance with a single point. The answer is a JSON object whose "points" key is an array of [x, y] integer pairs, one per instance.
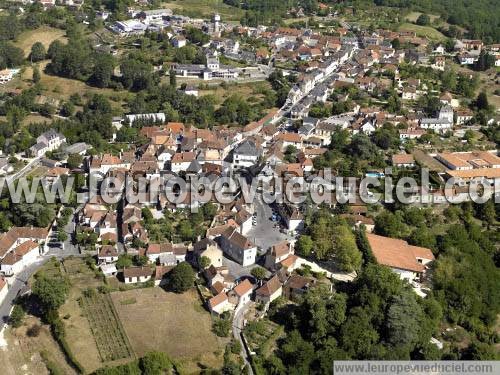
{"points": [[111, 340]]}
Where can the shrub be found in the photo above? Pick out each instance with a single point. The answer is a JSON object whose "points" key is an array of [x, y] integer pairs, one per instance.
{"points": [[34, 330], [17, 316]]}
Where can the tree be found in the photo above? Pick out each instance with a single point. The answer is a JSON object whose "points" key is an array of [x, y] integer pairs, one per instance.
{"points": [[36, 74], [182, 278], [204, 262], [51, 292], [62, 236], [17, 316], [38, 52], [136, 75], [404, 320], [347, 255], [396, 44], [221, 327], [258, 272], [124, 260], [103, 70], [423, 20], [304, 245], [484, 62], [172, 78], [140, 260], [67, 109], [390, 225], [482, 101], [10, 56], [155, 363]]}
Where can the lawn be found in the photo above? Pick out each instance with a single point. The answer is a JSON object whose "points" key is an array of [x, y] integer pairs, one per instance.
{"points": [[422, 31], [176, 324], [205, 8], [44, 34]]}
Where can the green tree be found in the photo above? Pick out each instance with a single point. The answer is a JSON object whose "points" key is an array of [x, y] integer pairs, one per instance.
{"points": [[423, 20], [38, 52], [36, 74], [204, 262], [51, 292], [404, 320], [347, 255], [172, 78], [124, 260], [482, 101], [259, 273], [67, 109], [62, 236], [103, 70], [182, 278], [304, 245]]}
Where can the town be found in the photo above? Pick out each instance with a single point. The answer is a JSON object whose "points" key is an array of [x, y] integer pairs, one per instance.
{"points": [[141, 94]]}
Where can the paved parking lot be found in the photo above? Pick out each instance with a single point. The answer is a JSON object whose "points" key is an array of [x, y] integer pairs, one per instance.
{"points": [[266, 233]]}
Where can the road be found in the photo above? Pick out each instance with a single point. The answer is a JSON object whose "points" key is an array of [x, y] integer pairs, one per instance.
{"points": [[23, 170], [16, 285], [238, 324]]}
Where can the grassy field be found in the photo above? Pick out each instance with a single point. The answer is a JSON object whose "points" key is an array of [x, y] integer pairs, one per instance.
{"points": [[246, 90], [44, 34], [422, 31], [111, 341], [205, 8], [413, 16], [62, 88], [176, 324]]}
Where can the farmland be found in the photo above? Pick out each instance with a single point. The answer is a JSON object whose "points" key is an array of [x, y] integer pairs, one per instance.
{"points": [[156, 317], [111, 341]]}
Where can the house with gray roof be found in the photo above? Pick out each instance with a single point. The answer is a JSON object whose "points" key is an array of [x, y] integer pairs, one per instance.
{"points": [[245, 155]]}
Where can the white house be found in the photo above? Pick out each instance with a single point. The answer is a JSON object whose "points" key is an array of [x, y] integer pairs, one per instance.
{"points": [[108, 269], [22, 256], [48, 141], [245, 155], [220, 304], [133, 275], [243, 292], [179, 41], [238, 247], [107, 254]]}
